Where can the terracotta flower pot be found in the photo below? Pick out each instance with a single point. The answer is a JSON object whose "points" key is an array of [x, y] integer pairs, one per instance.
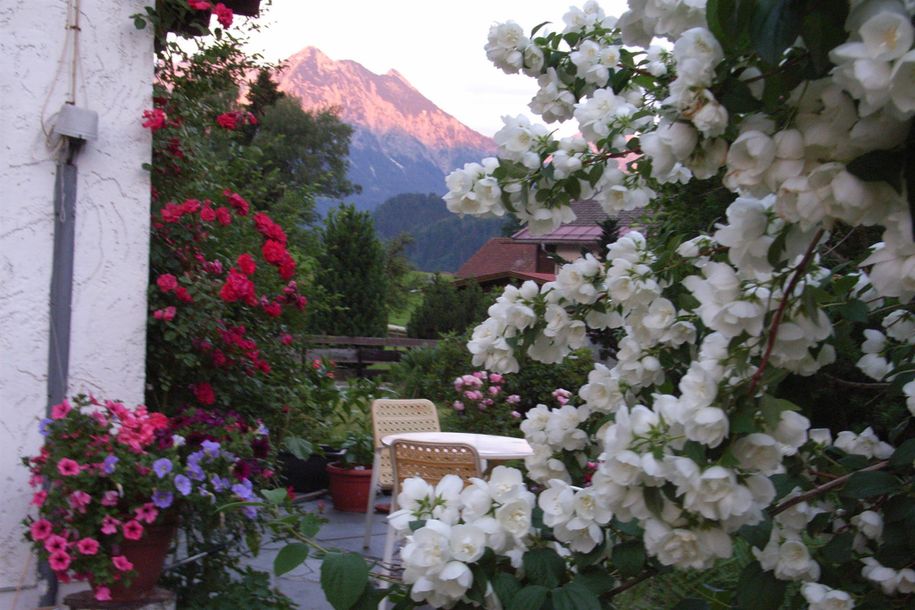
{"points": [[148, 557], [349, 488]]}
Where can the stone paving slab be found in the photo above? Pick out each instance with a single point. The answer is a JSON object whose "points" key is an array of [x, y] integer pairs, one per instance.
{"points": [[342, 531]]}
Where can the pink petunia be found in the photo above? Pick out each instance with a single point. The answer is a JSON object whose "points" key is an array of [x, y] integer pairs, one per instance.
{"points": [[103, 594], [133, 530], [60, 411], [122, 563], [55, 544], [67, 467], [87, 546], [39, 498], [59, 560], [109, 525], [147, 513], [41, 529], [79, 500], [110, 498]]}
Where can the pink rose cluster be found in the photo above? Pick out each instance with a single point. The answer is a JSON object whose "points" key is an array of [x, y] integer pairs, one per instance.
{"points": [[480, 390]]}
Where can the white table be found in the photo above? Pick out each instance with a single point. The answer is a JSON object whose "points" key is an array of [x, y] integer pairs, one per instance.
{"points": [[489, 446]]}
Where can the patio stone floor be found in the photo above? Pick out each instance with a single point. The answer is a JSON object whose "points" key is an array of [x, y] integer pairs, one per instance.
{"points": [[342, 531]]}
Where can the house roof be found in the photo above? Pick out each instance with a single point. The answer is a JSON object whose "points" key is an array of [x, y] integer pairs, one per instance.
{"points": [[588, 215], [497, 278], [500, 255]]}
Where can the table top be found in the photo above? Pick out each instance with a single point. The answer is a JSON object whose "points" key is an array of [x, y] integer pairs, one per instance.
{"points": [[489, 446]]}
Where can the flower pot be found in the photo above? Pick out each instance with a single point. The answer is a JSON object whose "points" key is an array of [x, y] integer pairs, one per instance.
{"points": [[349, 487], [248, 8], [148, 557], [306, 476]]}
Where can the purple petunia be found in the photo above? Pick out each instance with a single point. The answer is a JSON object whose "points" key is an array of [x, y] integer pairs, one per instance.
{"points": [[43, 426], [183, 484], [109, 463], [243, 490], [211, 448], [163, 499], [249, 511], [218, 483], [195, 472], [162, 467]]}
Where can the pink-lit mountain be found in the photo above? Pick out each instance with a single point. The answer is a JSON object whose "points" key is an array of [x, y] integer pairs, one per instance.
{"points": [[402, 143]]}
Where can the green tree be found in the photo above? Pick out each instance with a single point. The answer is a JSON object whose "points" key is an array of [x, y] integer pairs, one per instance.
{"points": [[306, 148], [263, 93], [351, 271], [447, 309], [398, 271]]}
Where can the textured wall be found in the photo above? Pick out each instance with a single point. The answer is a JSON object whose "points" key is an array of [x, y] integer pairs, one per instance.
{"points": [[109, 299]]}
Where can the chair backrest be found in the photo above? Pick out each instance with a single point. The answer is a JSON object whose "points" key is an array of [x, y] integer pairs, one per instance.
{"points": [[432, 461], [392, 416]]}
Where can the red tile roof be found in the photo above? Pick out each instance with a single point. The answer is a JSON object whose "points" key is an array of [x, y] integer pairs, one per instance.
{"points": [[584, 228], [499, 255], [504, 277]]}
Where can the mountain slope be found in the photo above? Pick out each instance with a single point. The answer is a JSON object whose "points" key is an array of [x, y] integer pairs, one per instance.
{"points": [[402, 142], [442, 241]]}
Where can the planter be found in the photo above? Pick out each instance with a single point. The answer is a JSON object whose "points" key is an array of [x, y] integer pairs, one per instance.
{"points": [[148, 557], [349, 487], [306, 476], [248, 8]]}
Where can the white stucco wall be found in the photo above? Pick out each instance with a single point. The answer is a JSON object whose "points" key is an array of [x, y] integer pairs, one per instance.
{"points": [[112, 237]]}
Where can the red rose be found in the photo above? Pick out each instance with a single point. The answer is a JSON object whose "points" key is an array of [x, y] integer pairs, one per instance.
{"points": [[274, 252], [199, 5], [223, 216], [207, 214], [273, 310], [167, 282], [167, 314], [246, 263], [227, 120], [237, 201], [287, 267], [223, 14], [183, 295], [237, 287], [204, 393], [268, 228], [155, 119]]}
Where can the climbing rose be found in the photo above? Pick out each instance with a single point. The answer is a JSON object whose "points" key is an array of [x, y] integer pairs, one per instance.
{"points": [[223, 14], [155, 119]]}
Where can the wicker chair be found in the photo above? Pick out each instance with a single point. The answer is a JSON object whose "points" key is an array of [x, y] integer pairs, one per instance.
{"points": [[431, 462], [391, 416]]}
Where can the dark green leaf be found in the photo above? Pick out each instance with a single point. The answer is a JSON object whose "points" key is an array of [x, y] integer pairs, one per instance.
{"points": [[728, 21], [537, 28], [574, 596], [369, 599], [595, 578], [737, 97], [868, 484], [757, 535], [530, 597], [629, 557], [544, 566], [343, 578], [309, 524], [596, 554], [139, 22], [506, 587], [653, 500], [774, 26], [573, 187], [898, 508], [289, 557], [772, 407], [743, 420], [904, 455], [628, 527], [823, 31], [879, 165], [838, 550], [477, 590], [776, 251], [692, 604], [854, 311], [759, 590]]}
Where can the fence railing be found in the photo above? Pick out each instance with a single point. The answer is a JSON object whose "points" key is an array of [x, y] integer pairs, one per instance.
{"points": [[356, 354]]}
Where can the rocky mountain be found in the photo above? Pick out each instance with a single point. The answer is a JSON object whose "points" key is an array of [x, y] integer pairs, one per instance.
{"points": [[402, 143]]}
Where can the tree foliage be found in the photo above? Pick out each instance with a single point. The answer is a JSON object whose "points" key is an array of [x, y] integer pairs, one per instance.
{"points": [[447, 309]]}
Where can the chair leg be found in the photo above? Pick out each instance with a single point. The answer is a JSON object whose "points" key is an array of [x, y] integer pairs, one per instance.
{"points": [[370, 509]]}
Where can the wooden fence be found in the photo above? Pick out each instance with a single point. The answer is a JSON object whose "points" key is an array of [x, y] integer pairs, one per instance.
{"points": [[356, 354]]}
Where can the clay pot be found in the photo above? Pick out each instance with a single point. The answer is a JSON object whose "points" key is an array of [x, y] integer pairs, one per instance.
{"points": [[148, 558], [349, 487]]}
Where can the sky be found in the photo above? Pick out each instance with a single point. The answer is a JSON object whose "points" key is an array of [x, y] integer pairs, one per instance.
{"points": [[436, 46]]}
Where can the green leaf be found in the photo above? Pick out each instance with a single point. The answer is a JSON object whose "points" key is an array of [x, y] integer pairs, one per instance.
{"points": [[691, 604], [868, 484], [477, 590], [854, 311], [139, 22], [595, 578], [275, 496], [309, 524], [759, 590], [776, 250], [737, 97], [629, 557], [299, 447], [904, 455], [772, 407], [757, 535], [537, 28], [838, 550], [728, 21], [369, 599], [506, 587], [574, 596], [289, 557], [343, 578], [774, 26], [898, 508], [877, 165], [530, 597], [544, 566], [822, 31]]}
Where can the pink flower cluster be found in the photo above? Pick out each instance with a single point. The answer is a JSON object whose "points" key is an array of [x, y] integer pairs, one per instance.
{"points": [[480, 390]]}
